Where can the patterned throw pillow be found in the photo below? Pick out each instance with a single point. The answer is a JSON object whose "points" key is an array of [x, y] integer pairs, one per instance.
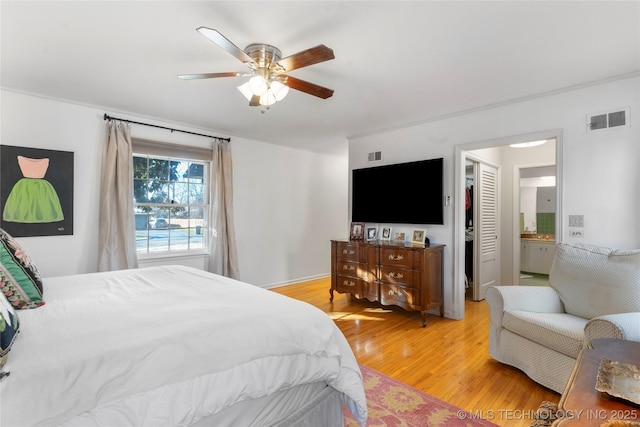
{"points": [[20, 280], [9, 325]]}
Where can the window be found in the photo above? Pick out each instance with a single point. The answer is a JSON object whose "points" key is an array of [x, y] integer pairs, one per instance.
{"points": [[171, 202]]}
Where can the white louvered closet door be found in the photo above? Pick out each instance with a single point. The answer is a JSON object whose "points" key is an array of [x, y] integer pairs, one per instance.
{"points": [[486, 248]]}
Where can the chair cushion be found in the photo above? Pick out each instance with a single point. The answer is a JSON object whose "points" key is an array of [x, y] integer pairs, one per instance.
{"points": [[594, 281], [559, 331]]}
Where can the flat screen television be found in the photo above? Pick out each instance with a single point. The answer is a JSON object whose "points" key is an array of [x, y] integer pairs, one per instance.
{"points": [[403, 193]]}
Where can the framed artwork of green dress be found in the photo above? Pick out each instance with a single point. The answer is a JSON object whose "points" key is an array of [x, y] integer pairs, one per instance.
{"points": [[36, 191]]}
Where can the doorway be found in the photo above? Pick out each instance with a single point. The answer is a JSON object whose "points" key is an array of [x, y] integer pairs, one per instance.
{"points": [[537, 193], [508, 227]]}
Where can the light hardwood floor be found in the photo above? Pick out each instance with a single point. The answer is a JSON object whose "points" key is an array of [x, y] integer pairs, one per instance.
{"points": [[448, 359]]}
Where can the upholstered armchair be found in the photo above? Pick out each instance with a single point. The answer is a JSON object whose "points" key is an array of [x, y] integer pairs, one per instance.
{"points": [[593, 292]]}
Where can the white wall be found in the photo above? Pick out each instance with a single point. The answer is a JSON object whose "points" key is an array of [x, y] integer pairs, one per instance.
{"points": [[288, 203], [600, 174]]}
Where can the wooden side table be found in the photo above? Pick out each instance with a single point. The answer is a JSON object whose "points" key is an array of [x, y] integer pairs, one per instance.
{"points": [[581, 404]]}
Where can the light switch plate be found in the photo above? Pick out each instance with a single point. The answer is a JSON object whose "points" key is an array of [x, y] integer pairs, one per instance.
{"points": [[576, 220]]}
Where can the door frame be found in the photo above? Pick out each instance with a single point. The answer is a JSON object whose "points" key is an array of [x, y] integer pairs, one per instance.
{"points": [[461, 153]]}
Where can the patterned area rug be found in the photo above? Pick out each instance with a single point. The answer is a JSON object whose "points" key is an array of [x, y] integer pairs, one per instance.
{"points": [[392, 403]]}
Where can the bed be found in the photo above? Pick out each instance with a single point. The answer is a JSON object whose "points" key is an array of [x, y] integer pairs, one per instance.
{"points": [[176, 346]]}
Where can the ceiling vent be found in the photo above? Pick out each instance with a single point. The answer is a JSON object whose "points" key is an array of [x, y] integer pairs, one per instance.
{"points": [[608, 119], [375, 156]]}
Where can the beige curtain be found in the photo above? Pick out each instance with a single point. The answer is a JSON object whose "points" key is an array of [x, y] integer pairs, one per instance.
{"points": [[223, 259], [116, 235]]}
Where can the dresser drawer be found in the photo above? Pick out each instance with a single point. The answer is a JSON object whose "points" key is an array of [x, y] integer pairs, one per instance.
{"points": [[397, 275], [346, 284], [346, 250], [397, 257], [350, 268], [399, 295]]}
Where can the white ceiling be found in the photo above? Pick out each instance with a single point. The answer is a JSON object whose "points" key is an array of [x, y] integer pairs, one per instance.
{"points": [[397, 63]]}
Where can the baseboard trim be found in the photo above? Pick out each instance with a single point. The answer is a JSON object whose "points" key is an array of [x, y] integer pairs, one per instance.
{"points": [[299, 280]]}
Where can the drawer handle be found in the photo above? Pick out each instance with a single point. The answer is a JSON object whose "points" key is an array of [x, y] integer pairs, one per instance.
{"points": [[396, 275], [348, 267], [349, 283], [394, 292], [396, 257], [348, 252]]}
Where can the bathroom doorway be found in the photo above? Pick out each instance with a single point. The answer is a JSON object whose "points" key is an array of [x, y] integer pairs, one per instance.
{"points": [[537, 223]]}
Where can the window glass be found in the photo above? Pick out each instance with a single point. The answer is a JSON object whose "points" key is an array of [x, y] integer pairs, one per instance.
{"points": [[171, 204]]}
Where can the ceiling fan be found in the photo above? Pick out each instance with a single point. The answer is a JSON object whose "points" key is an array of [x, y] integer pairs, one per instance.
{"points": [[269, 80]]}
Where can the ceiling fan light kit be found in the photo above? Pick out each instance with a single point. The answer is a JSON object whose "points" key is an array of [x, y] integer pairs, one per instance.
{"points": [[275, 91], [269, 82], [258, 85]]}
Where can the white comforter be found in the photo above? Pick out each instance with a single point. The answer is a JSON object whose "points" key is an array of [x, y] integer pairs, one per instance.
{"points": [[127, 347]]}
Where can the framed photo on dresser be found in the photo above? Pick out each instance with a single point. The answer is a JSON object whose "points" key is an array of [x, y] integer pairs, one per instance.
{"points": [[418, 236], [357, 231], [386, 233], [372, 233]]}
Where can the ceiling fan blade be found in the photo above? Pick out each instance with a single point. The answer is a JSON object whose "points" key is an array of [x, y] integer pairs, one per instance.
{"points": [[224, 43], [310, 88], [255, 101], [307, 57], [212, 75]]}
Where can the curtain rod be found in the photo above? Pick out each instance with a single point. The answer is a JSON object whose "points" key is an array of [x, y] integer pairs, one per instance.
{"points": [[108, 117]]}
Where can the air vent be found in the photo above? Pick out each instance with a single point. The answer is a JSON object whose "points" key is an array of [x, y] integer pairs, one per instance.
{"points": [[375, 156], [608, 119]]}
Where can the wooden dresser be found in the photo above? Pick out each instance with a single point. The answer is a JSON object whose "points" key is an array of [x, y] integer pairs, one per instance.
{"points": [[393, 273]]}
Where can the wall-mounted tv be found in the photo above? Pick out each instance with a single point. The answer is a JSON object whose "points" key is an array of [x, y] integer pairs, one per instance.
{"points": [[403, 193]]}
